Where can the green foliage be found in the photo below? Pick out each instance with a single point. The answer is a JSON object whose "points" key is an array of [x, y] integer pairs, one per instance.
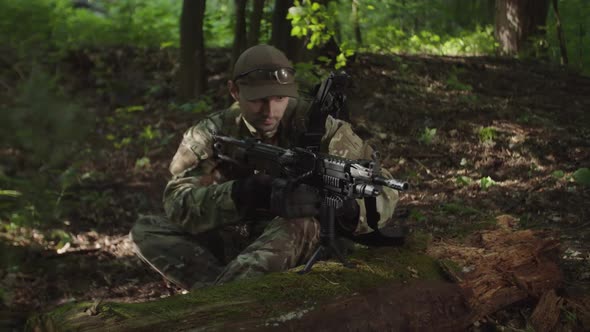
{"points": [[452, 27], [42, 122], [202, 105], [417, 215], [486, 182], [218, 23], [432, 27], [40, 26], [459, 208], [576, 27], [454, 83], [582, 176], [558, 174], [311, 20], [463, 180], [142, 163], [427, 135], [48, 130], [317, 23], [308, 74], [486, 134]]}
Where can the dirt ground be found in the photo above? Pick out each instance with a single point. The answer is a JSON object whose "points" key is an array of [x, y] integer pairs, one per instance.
{"points": [[475, 137]]}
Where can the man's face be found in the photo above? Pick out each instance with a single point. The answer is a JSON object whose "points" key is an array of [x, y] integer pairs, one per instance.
{"points": [[264, 114]]}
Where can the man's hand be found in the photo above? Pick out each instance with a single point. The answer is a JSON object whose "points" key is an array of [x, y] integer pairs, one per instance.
{"points": [[259, 192], [252, 193], [290, 200]]}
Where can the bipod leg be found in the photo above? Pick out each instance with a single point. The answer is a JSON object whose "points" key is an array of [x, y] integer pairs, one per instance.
{"points": [[314, 258], [340, 256], [327, 240]]}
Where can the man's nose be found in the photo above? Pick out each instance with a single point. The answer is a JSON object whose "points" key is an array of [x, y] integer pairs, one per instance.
{"points": [[268, 106]]}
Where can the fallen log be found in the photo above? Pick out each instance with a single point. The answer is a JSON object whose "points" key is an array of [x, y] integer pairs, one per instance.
{"points": [[392, 289]]}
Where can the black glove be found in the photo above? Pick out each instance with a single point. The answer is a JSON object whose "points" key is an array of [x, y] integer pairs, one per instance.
{"points": [[252, 194], [290, 200]]}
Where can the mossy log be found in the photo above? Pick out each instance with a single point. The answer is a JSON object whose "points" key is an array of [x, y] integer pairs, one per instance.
{"points": [[391, 289]]}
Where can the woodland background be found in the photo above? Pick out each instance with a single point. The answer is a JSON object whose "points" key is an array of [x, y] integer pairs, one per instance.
{"points": [[482, 105]]}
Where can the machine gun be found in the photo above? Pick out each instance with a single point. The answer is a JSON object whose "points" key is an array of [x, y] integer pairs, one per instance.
{"points": [[337, 179], [329, 100]]}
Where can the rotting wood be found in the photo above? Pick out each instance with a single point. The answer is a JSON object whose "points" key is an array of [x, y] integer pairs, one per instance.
{"points": [[546, 313]]}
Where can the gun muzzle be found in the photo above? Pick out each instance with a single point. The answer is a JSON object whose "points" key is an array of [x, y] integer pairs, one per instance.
{"points": [[392, 183]]}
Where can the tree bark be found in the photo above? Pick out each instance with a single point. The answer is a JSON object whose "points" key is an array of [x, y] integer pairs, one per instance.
{"points": [[517, 21], [240, 40], [560, 34], [192, 75], [355, 23], [281, 27], [255, 18]]}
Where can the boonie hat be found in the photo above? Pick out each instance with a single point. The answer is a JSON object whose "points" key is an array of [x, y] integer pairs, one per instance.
{"points": [[263, 71]]}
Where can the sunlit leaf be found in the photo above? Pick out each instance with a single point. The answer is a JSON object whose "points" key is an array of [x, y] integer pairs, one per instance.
{"points": [[486, 182], [10, 193]]}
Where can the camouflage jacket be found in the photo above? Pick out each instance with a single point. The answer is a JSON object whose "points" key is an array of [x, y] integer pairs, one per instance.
{"points": [[198, 197]]}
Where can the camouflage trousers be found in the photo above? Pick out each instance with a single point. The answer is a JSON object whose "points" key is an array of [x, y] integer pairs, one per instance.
{"points": [[191, 261]]}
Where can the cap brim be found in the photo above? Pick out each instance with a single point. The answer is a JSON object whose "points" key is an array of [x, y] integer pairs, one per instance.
{"points": [[252, 92]]}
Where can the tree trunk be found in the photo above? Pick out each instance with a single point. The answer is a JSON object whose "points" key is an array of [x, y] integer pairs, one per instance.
{"points": [[517, 21], [192, 75], [255, 18], [503, 267], [560, 34], [281, 27], [240, 41], [355, 23]]}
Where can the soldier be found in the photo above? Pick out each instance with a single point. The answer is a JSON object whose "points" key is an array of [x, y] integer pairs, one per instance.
{"points": [[220, 224]]}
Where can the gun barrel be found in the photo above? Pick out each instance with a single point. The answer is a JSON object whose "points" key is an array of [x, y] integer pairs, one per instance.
{"points": [[392, 183]]}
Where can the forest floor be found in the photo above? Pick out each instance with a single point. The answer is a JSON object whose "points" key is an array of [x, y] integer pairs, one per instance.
{"points": [[476, 138]]}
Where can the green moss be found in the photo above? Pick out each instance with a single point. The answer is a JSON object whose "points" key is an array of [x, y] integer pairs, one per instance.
{"points": [[272, 294], [459, 208]]}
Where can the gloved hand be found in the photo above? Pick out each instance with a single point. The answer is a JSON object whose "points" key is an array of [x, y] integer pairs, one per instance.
{"points": [[251, 194], [290, 200]]}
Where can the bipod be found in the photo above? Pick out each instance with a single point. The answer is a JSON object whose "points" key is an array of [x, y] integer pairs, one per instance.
{"points": [[327, 243]]}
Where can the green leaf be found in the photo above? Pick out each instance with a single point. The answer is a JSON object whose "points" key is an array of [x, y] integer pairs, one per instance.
{"points": [[167, 44], [417, 215], [428, 135], [486, 183], [142, 163], [296, 31], [486, 134], [130, 109], [558, 174], [463, 180], [10, 193], [582, 176]]}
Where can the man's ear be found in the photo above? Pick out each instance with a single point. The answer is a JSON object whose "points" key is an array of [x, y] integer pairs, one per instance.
{"points": [[234, 90]]}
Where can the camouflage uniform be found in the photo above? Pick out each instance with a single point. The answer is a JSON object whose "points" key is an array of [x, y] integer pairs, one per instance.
{"points": [[190, 246]]}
